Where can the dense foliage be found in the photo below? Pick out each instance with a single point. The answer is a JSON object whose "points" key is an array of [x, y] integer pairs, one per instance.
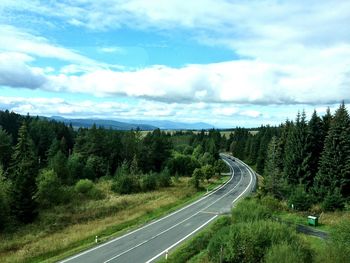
{"points": [[45, 163], [303, 162]]}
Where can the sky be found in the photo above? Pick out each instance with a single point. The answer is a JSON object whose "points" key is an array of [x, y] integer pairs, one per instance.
{"points": [[225, 62]]}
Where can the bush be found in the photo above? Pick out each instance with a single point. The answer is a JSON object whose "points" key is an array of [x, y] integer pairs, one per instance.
{"points": [[249, 210], [84, 186], [333, 201], [125, 184], [287, 253], [88, 189], [271, 203], [149, 182], [248, 242], [300, 199], [164, 179], [49, 188], [338, 249]]}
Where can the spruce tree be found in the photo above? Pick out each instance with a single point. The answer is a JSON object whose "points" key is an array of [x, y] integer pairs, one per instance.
{"points": [[297, 157], [316, 140], [5, 148], [273, 182], [334, 170], [24, 171]]}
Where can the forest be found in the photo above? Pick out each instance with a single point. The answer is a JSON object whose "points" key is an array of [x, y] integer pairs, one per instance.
{"points": [[44, 163], [304, 163]]}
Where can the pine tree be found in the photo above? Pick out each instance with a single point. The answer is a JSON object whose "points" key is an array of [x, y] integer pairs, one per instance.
{"points": [[334, 170], [5, 148], [316, 141], [297, 157], [24, 172], [273, 182], [326, 121]]}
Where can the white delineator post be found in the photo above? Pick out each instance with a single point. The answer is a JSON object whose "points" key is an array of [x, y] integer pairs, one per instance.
{"points": [[166, 254], [96, 239]]}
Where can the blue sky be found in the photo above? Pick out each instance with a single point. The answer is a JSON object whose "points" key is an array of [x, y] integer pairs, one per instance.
{"points": [[228, 63]]}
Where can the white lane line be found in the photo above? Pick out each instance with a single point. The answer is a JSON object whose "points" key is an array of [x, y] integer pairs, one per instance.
{"points": [[154, 222], [250, 182], [182, 239], [168, 229]]}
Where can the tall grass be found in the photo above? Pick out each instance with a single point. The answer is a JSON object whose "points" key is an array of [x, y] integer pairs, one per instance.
{"points": [[66, 229]]}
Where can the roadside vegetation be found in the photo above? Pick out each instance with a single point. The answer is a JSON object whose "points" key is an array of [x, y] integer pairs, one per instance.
{"points": [[64, 186], [258, 232], [60, 187], [305, 171]]}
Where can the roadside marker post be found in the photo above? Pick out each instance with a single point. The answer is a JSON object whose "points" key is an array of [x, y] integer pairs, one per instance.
{"points": [[96, 239], [166, 255]]}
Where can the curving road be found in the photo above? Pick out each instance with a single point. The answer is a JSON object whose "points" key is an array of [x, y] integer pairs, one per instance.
{"points": [[152, 241]]}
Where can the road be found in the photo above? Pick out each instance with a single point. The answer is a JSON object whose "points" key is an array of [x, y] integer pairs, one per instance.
{"points": [[151, 242]]}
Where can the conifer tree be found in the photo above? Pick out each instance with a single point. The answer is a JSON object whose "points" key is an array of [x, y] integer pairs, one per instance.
{"points": [[334, 171], [5, 148], [273, 182], [24, 172], [297, 157], [316, 141]]}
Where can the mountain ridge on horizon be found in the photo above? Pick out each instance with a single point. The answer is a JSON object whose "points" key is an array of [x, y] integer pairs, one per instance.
{"points": [[122, 124]]}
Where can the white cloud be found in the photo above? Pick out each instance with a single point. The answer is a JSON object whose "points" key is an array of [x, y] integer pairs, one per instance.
{"points": [[242, 81], [13, 39], [14, 71], [291, 52]]}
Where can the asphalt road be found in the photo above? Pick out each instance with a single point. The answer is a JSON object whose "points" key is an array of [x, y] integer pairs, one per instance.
{"points": [[152, 241]]}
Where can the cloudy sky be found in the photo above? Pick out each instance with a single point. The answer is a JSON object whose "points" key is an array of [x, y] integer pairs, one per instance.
{"points": [[229, 63]]}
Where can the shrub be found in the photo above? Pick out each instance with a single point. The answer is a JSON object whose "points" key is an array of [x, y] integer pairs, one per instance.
{"points": [[49, 188], [125, 184], [164, 179], [333, 201], [84, 186], [300, 199], [149, 182], [271, 203], [248, 242], [338, 248], [249, 210], [287, 253], [88, 189]]}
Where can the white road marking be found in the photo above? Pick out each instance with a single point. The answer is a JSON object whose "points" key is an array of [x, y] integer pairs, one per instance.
{"points": [[149, 224], [166, 230], [182, 239]]}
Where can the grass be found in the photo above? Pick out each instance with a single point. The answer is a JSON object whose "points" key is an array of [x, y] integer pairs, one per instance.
{"points": [[67, 229]]}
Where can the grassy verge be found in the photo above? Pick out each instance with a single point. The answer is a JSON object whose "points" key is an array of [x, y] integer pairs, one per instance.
{"points": [[197, 249], [65, 230], [193, 249]]}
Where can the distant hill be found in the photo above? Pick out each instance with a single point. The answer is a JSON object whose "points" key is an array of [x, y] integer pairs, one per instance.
{"points": [[172, 125], [115, 125], [145, 125]]}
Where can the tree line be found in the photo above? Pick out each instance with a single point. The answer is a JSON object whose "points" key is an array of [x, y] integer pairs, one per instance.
{"points": [[303, 161], [44, 162]]}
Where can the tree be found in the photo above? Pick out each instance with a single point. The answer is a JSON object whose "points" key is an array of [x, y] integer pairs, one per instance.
{"points": [[24, 171], [273, 182], [297, 156], [196, 177], [5, 148], [4, 199], [208, 171], [49, 188], [316, 140], [334, 171]]}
